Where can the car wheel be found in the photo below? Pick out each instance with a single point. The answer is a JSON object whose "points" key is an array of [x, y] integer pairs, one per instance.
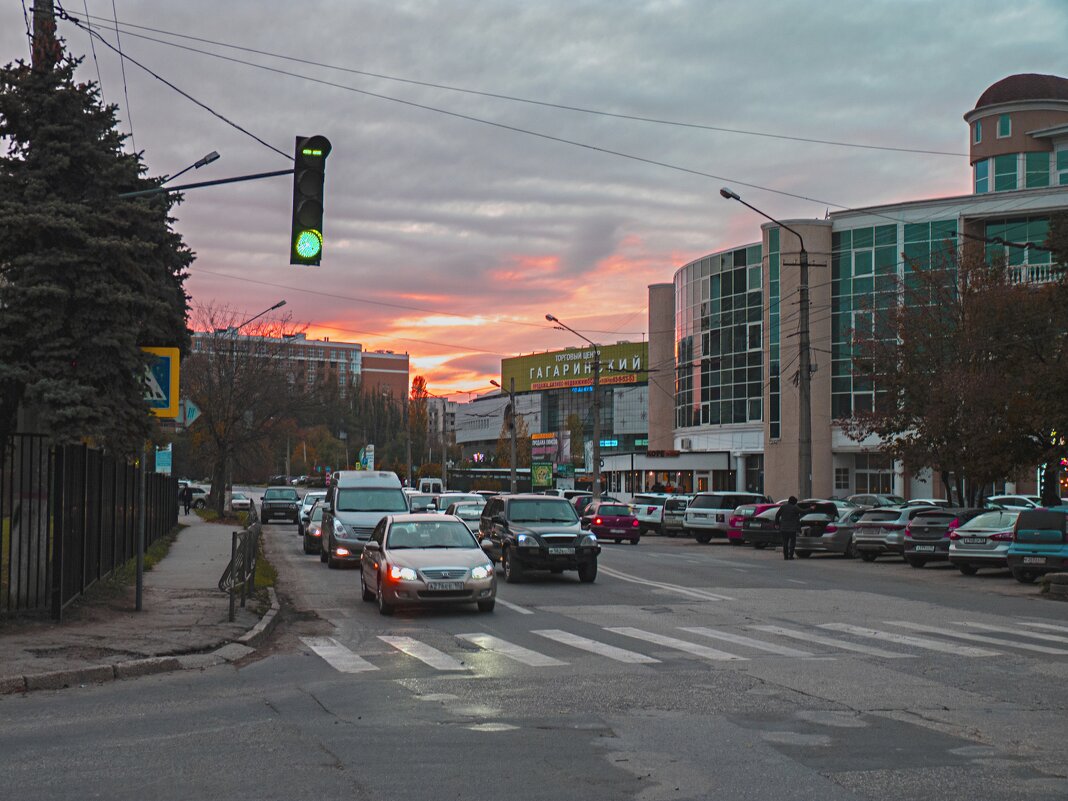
{"points": [[968, 570], [365, 593], [587, 572], [760, 546], [306, 548], [556, 571], [324, 553], [513, 568], [486, 606], [915, 562], [383, 607], [263, 520], [670, 532], [199, 504], [849, 552], [332, 563], [1023, 576], [703, 537], [617, 542], [737, 541], [802, 554], [635, 541], [869, 556]]}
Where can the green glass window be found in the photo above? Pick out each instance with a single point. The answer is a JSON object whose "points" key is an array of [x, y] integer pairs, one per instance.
{"points": [[886, 235], [1037, 170], [1005, 172], [862, 262], [982, 177], [1062, 167], [977, 132], [863, 238], [1004, 126]]}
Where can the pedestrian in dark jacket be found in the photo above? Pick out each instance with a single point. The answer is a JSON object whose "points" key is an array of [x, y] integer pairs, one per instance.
{"points": [[187, 498], [789, 519]]}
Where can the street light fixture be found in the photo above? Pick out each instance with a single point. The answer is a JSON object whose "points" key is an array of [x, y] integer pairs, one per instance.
{"points": [[511, 402], [804, 359], [196, 165], [596, 456], [278, 305]]}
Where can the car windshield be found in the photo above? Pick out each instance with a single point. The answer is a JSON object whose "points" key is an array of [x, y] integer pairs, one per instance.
{"points": [[370, 499], [998, 519], [239, 496], [445, 500], [882, 516], [312, 497], [708, 502], [889, 500], [542, 511], [280, 495], [648, 500], [468, 512], [317, 513], [421, 500], [610, 509], [430, 534]]}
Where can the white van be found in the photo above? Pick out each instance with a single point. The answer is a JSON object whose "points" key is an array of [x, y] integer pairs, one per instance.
{"points": [[430, 485], [355, 501]]}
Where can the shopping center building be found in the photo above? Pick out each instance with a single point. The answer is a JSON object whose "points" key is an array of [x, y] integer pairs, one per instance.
{"points": [[733, 323]]}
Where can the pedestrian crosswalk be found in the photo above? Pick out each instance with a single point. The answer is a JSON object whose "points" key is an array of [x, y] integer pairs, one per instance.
{"points": [[479, 653]]}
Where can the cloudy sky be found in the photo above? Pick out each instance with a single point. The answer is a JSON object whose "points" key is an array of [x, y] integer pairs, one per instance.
{"points": [[451, 228]]}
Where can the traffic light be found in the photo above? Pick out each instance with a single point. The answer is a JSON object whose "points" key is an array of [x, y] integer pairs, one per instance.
{"points": [[309, 174]]}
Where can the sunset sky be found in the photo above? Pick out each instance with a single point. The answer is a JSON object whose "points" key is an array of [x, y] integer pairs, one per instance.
{"points": [[450, 237]]}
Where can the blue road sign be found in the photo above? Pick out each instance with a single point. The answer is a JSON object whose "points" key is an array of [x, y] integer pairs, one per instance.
{"points": [[161, 382]]}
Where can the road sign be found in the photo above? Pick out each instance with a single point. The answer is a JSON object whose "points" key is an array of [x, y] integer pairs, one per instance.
{"points": [[161, 382], [541, 475], [164, 460], [188, 412]]}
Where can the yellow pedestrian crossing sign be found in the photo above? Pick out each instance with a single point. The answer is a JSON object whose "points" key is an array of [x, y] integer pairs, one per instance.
{"points": [[161, 382]]}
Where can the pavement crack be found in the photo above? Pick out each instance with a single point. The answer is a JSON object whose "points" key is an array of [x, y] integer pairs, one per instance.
{"points": [[324, 707]]}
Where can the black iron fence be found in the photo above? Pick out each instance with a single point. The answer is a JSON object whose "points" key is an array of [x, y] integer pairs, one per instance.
{"points": [[70, 517], [240, 574]]}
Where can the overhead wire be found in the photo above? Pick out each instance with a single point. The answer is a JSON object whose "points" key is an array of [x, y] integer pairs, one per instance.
{"points": [[122, 63], [96, 62]]}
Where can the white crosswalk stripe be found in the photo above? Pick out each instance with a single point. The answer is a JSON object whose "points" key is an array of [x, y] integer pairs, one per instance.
{"points": [[595, 647], [687, 592], [1034, 635], [424, 653], [337, 655], [964, 635], [675, 643], [748, 642], [1047, 626], [515, 652], [844, 645], [904, 639], [514, 607]]}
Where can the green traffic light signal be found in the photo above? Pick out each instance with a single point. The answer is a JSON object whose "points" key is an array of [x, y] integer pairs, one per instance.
{"points": [[309, 174]]}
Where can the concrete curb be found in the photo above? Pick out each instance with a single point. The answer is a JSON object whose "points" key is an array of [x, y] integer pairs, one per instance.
{"points": [[229, 651]]}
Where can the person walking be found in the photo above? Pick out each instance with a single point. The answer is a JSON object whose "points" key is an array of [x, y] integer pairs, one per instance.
{"points": [[187, 497], [789, 519]]}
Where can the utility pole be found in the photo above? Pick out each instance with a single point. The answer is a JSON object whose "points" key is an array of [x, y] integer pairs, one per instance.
{"points": [[45, 51], [596, 424], [511, 400], [408, 440]]}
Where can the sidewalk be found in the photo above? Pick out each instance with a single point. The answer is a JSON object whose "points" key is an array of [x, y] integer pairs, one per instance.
{"points": [[183, 624]]}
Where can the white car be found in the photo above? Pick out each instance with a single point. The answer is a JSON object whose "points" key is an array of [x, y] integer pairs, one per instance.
{"points": [[649, 509], [1016, 501], [240, 502], [305, 508]]}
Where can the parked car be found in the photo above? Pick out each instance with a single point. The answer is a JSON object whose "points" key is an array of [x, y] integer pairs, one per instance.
{"points": [[312, 534], [983, 541], [881, 531], [200, 496], [355, 502], [1015, 501], [737, 518], [469, 513], [422, 502], [583, 501], [279, 502], [425, 559], [707, 514], [537, 532], [446, 499], [673, 522], [612, 521], [927, 536], [875, 499], [828, 530], [306, 505], [487, 494], [762, 529], [939, 502], [649, 509], [1039, 543], [240, 502]]}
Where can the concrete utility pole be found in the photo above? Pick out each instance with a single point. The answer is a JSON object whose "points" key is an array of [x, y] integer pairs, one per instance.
{"points": [[596, 456], [45, 51]]}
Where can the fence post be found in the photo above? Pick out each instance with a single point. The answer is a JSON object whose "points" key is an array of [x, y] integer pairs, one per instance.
{"points": [[233, 560]]}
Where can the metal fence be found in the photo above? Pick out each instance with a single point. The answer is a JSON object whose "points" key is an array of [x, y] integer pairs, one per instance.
{"points": [[70, 517], [240, 574]]}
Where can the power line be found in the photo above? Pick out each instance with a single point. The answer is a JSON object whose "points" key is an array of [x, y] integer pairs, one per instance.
{"points": [[542, 103], [122, 63], [92, 45]]}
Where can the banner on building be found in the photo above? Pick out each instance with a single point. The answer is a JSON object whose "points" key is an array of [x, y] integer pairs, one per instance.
{"points": [[541, 475], [621, 363]]}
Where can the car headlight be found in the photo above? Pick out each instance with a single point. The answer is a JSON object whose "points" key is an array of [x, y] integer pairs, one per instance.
{"points": [[401, 573], [482, 572], [528, 541], [589, 539]]}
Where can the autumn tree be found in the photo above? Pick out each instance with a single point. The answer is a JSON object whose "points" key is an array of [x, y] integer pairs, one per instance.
{"points": [[522, 444], [418, 419]]}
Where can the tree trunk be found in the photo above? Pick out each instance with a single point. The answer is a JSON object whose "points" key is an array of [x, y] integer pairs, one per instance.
{"points": [[1051, 488]]}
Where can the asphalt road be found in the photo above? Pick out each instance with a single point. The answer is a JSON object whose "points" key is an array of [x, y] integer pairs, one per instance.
{"points": [[684, 672]]}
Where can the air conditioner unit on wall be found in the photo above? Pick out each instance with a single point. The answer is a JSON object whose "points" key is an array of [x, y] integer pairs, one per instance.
{"points": [[685, 443]]}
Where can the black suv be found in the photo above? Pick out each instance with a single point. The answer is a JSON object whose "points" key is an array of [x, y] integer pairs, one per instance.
{"points": [[537, 532], [280, 502]]}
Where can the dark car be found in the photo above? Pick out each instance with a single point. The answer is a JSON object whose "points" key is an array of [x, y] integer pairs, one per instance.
{"points": [[582, 502], [280, 502], [927, 536], [313, 530], [537, 532], [827, 531], [881, 530], [762, 529], [612, 521]]}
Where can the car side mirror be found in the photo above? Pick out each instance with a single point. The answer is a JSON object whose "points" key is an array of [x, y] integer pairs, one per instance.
{"points": [[372, 545], [500, 519], [486, 545]]}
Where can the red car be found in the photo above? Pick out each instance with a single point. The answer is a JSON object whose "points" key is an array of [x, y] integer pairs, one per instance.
{"points": [[612, 520], [738, 516]]}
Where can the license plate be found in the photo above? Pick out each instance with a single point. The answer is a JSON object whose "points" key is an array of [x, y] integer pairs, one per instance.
{"points": [[924, 548], [444, 585], [619, 531], [561, 551], [1034, 560], [974, 541]]}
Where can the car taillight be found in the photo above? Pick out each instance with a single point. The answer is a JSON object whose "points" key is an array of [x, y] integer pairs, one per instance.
{"points": [[1002, 536], [831, 528], [597, 521], [953, 535], [650, 509], [634, 523], [908, 530], [736, 522]]}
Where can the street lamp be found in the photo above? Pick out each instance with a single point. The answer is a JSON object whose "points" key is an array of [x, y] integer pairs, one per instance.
{"points": [[196, 165], [596, 458], [511, 402], [278, 305], [804, 356]]}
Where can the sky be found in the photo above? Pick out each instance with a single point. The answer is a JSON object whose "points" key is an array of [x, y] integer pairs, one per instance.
{"points": [[455, 220]]}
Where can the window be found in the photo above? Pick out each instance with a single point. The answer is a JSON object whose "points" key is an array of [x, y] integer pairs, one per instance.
{"points": [[1005, 172], [1062, 167], [841, 474], [1036, 170], [755, 342], [977, 132], [862, 262], [982, 176], [1004, 126]]}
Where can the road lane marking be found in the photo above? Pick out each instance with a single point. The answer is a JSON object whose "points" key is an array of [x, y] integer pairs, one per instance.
{"points": [[749, 642], [833, 643], [963, 635], [595, 647], [514, 607], [515, 652], [337, 655], [424, 653], [1034, 635], [679, 645], [797, 581], [1048, 626], [904, 639], [691, 592]]}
